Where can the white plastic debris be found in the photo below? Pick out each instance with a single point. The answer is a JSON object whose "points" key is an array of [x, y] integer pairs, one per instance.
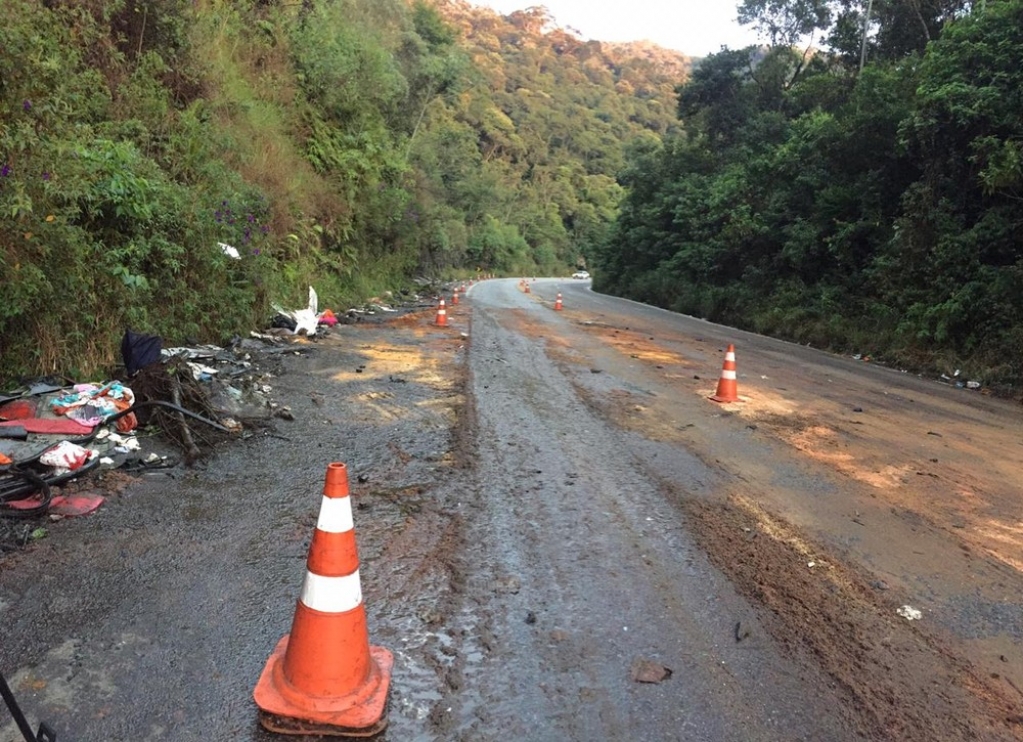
{"points": [[811, 565], [231, 252], [66, 456], [200, 371], [910, 613], [306, 320], [973, 385], [201, 351]]}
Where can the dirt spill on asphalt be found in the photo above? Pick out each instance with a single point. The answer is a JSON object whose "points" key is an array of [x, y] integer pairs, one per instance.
{"points": [[937, 476], [826, 445], [637, 345], [389, 400], [876, 656], [951, 496], [426, 557], [407, 378], [393, 397], [905, 681]]}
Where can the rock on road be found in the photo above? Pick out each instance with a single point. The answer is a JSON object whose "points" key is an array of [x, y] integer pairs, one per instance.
{"points": [[548, 505]]}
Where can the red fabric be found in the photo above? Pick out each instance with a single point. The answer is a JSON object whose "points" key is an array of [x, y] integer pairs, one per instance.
{"points": [[27, 504], [18, 409], [75, 504], [54, 426], [61, 505], [127, 423]]}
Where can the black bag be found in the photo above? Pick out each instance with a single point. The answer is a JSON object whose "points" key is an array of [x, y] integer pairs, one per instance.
{"points": [[139, 350]]}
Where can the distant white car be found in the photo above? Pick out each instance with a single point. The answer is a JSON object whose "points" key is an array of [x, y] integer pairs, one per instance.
{"points": [[581, 274]]}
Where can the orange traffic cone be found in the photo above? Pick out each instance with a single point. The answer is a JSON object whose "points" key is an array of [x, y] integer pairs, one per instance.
{"points": [[728, 390], [442, 315], [526, 289], [454, 297], [324, 677], [557, 304]]}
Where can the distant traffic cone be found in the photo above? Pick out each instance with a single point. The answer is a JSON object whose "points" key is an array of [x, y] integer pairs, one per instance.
{"points": [[728, 390], [526, 289], [454, 297], [557, 304], [442, 314], [324, 678]]}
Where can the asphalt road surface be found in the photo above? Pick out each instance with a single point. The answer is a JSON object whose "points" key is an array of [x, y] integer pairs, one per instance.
{"points": [[560, 538]]}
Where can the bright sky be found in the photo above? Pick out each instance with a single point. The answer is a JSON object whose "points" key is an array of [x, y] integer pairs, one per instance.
{"points": [[693, 27]]}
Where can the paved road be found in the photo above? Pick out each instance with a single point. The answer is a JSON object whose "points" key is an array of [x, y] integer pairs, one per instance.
{"points": [[544, 502], [582, 567], [904, 488]]}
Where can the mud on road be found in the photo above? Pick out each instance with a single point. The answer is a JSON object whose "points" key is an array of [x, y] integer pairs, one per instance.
{"points": [[152, 618], [515, 581], [849, 492]]}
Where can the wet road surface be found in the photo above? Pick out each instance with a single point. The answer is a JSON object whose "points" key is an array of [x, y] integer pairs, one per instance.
{"points": [[543, 500], [581, 567]]}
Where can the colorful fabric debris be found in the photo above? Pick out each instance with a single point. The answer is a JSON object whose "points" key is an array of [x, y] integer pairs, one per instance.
{"points": [[90, 404]]}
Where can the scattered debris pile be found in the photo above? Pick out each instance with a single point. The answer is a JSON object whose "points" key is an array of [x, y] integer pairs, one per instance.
{"points": [[52, 433], [199, 397], [309, 320], [56, 434]]}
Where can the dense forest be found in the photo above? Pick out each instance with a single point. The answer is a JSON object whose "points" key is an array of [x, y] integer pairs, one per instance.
{"points": [[857, 187], [352, 145], [854, 183]]}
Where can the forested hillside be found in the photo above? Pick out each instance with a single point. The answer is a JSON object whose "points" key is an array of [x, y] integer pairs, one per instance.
{"points": [[858, 196], [857, 191], [349, 144]]}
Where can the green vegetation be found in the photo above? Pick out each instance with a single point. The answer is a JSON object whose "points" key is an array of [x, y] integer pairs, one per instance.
{"points": [[868, 207], [859, 197], [348, 144]]}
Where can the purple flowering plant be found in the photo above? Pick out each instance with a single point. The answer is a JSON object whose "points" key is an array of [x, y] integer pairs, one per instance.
{"points": [[242, 222]]}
